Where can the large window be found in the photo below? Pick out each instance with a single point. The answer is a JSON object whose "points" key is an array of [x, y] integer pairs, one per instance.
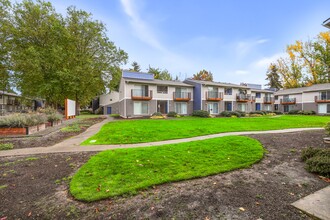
{"points": [[267, 107], [213, 108], [258, 95], [162, 89], [140, 108], [228, 91], [181, 108], [324, 108], [288, 108], [241, 107]]}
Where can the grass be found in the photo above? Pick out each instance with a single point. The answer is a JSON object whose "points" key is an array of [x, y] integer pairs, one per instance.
{"points": [[139, 131], [6, 146], [84, 116], [75, 127], [126, 171]]}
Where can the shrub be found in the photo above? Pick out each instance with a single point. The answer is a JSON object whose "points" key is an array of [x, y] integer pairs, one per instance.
{"points": [[327, 127], [225, 114], [54, 117], [201, 113], [71, 128], [115, 115], [309, 153], [99, 111], [293, 112], [86, 112], [6, 146], [157, 114], [278, 113], [242, 114], [172, 114], [233, 113], [22, 120], [319, 164], [254, 115]]}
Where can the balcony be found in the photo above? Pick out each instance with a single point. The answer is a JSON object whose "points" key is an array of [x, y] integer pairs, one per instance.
{"points": [[288, 101], [139, 94], [181, 96], [214, 96], [244, 98], [268, 100], [10, 102], [322, 99]]}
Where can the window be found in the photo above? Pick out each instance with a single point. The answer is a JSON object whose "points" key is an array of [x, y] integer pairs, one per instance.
{"points": [[181, 108], [228, 106], [162, 89], [324, 108], [276, 97], [276, 107], [140, 108], [258, 95], [258, 106], [241, 107], [288, 108], [228, 91], [213, 108], [267, 107]]}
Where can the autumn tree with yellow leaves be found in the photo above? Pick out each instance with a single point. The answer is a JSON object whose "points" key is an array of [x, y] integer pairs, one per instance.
{"points": [[307, 63], [203, 75]]}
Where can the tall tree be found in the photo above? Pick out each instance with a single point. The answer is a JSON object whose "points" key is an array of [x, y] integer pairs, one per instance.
{"points": [[5, 46], [273, 77], [160, 74], [135, 67], [322, 50], [290, 72], [203, 75]]}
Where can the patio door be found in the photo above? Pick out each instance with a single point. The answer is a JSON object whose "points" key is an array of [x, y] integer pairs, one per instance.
{"points": [[162, 106]]}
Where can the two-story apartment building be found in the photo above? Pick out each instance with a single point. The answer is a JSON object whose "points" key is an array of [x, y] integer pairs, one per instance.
{"points": [[142, 95], [313, 98], [264, 98], [217, 97]]}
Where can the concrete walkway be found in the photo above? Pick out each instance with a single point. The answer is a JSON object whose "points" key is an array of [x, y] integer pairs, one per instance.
{"points": [[73, 144], [316, 204]]}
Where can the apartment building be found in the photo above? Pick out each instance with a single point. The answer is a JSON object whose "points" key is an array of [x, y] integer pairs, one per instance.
{"points": [[313, 98], [264, 98], [217, 97], [9, 102], [142, 95]]}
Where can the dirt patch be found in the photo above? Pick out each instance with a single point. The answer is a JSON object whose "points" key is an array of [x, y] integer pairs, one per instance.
{"points": [[264, 191], [54, 137]]}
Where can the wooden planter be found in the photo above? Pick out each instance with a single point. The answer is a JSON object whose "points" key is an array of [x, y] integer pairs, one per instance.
{"points": [[54, 123], [22, 131]]}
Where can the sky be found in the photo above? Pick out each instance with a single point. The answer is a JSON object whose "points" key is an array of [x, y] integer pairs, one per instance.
{"points": [[234, 39]]}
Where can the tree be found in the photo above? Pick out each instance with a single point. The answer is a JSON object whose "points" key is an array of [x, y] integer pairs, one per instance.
{"points": [[5, 38], [290, 72], [273, 77], [322, 50], [57, 58], [160, 74], [203, 75], [135, 67]]}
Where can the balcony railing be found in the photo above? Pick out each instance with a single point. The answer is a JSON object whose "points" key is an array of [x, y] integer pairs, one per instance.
{"points": [[181, 96], [214, 96], [288, 101], [11, 102], [244, 98], [322, 99], [141, 94], [268, 100]]}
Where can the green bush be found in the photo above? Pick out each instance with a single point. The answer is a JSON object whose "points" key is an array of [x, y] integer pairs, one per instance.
{"points": [[54, 117], [278, 113], [115, 115], [22, 120], [99, 111], [319, 164], [6, 146], [157, 114], [309, 153], [233, 113], [201, 114], [71, 128], [327, 127], [172, 114]]}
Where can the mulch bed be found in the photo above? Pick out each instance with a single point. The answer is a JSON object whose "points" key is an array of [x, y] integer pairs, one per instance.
{"points": [[52, 138], [38, 188]]}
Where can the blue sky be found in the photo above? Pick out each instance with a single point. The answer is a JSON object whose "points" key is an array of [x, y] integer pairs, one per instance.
{"points": [[236, 40]]}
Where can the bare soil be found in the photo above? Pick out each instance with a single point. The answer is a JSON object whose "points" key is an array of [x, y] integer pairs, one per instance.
{"points": [[53, 137], [37, 188]]}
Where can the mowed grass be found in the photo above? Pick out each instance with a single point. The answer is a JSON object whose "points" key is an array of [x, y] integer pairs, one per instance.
{"points": [[126, 171], [148, 130]]}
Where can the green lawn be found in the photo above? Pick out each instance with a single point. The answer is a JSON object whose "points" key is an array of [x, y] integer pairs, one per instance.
{"points": [[148, 130], [125, 171], [84, 116]]}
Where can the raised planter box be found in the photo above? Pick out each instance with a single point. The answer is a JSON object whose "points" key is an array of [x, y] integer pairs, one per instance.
{"points": [[22, 131], [54, 123]]}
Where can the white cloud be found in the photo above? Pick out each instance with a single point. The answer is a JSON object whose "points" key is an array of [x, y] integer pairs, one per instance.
{"points": [[264, 62], [244, 47], [141, 28], [241, 72]]}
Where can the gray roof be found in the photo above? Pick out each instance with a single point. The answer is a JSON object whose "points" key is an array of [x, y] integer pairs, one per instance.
{"points": [[158, 82], [221, 84], [262, 90], [9, 94], [313, 88]]}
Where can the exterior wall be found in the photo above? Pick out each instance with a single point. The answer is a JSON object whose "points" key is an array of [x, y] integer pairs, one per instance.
{"points": [[108, 99], [197, 96], [114, 108], [311, 107]]}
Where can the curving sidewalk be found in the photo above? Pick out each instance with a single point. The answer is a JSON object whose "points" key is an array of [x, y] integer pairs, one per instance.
{"points": [[73, 144]]}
